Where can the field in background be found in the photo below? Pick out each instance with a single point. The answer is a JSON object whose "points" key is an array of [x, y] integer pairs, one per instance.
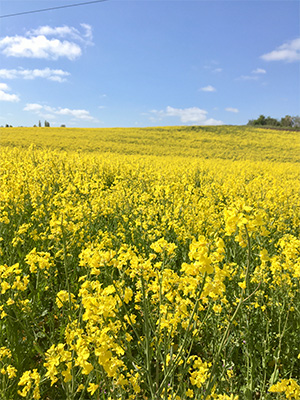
{"points": [[155, 263], [225, 142]]}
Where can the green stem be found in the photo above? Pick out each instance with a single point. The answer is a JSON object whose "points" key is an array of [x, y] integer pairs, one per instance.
{"points": [[69, 291], [65, 263], [212, 377], [179, 355], [275, 372], [147, 339]]}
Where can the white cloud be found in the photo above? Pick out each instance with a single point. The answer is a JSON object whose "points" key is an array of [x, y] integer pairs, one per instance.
{"points": [[4, 96], [88, 32], [4, 86], [32, 107], [255, 75], [208, 88], [46, 30], [232, 109], [259, 71], [8, 97], [78, 114], [248, 78], [213, 67], [192, 115], [57, 75], [64, 31], [51, 112], [289, 51], [37, 44], [39, 47]]}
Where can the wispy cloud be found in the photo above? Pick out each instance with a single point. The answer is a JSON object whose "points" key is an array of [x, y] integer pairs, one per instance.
{"points": [[56, 75], [254, 76], [232, 109], [52, 112], [259, 71], [4, 96], [65, 32], [37, 44], [289, 51], [208, 88], [212, 66], [248, 78], [192, 115]]}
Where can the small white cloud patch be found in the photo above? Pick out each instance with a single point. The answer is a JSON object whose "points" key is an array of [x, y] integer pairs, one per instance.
{"points": [[289, 51], [191, 115], [32, 107], [259, 71], [232, 109], [56, 75], [208, 88], [4, 96]]}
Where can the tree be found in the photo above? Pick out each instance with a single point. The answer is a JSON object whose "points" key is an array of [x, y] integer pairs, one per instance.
{"points": [[296, 121], [40, 124], [47, 124], [272, 121], [261, 120], [286, 121]]}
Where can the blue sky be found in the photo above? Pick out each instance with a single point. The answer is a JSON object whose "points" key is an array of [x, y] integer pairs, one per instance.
{"points": [[149, 63]]}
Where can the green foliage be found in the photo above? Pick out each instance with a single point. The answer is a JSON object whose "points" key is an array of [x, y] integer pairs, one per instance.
{"points": [[285, 122]]}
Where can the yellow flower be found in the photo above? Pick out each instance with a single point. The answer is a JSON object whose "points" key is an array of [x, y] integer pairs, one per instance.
{"points": [[287, 386], [4, 287], [4, 352], [217, 308], [63, 297], [229, 373], [189, 393], [128, 295], [11, 371], [242, 285], [200, 374], [30, 379], [92, 388], [67, 374]]}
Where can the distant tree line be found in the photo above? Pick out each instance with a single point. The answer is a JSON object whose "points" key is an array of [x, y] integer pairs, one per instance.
{"points": [[46, 124], [284, 122]]}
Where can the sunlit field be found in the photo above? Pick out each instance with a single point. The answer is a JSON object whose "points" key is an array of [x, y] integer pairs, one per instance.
{"points": [[155, 263]]}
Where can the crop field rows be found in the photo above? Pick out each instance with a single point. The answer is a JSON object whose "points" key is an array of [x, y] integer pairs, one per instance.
{"points": [[156, 263]]}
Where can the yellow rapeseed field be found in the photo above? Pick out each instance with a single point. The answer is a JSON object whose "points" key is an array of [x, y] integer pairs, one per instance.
{"points": [[154, 263]]}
